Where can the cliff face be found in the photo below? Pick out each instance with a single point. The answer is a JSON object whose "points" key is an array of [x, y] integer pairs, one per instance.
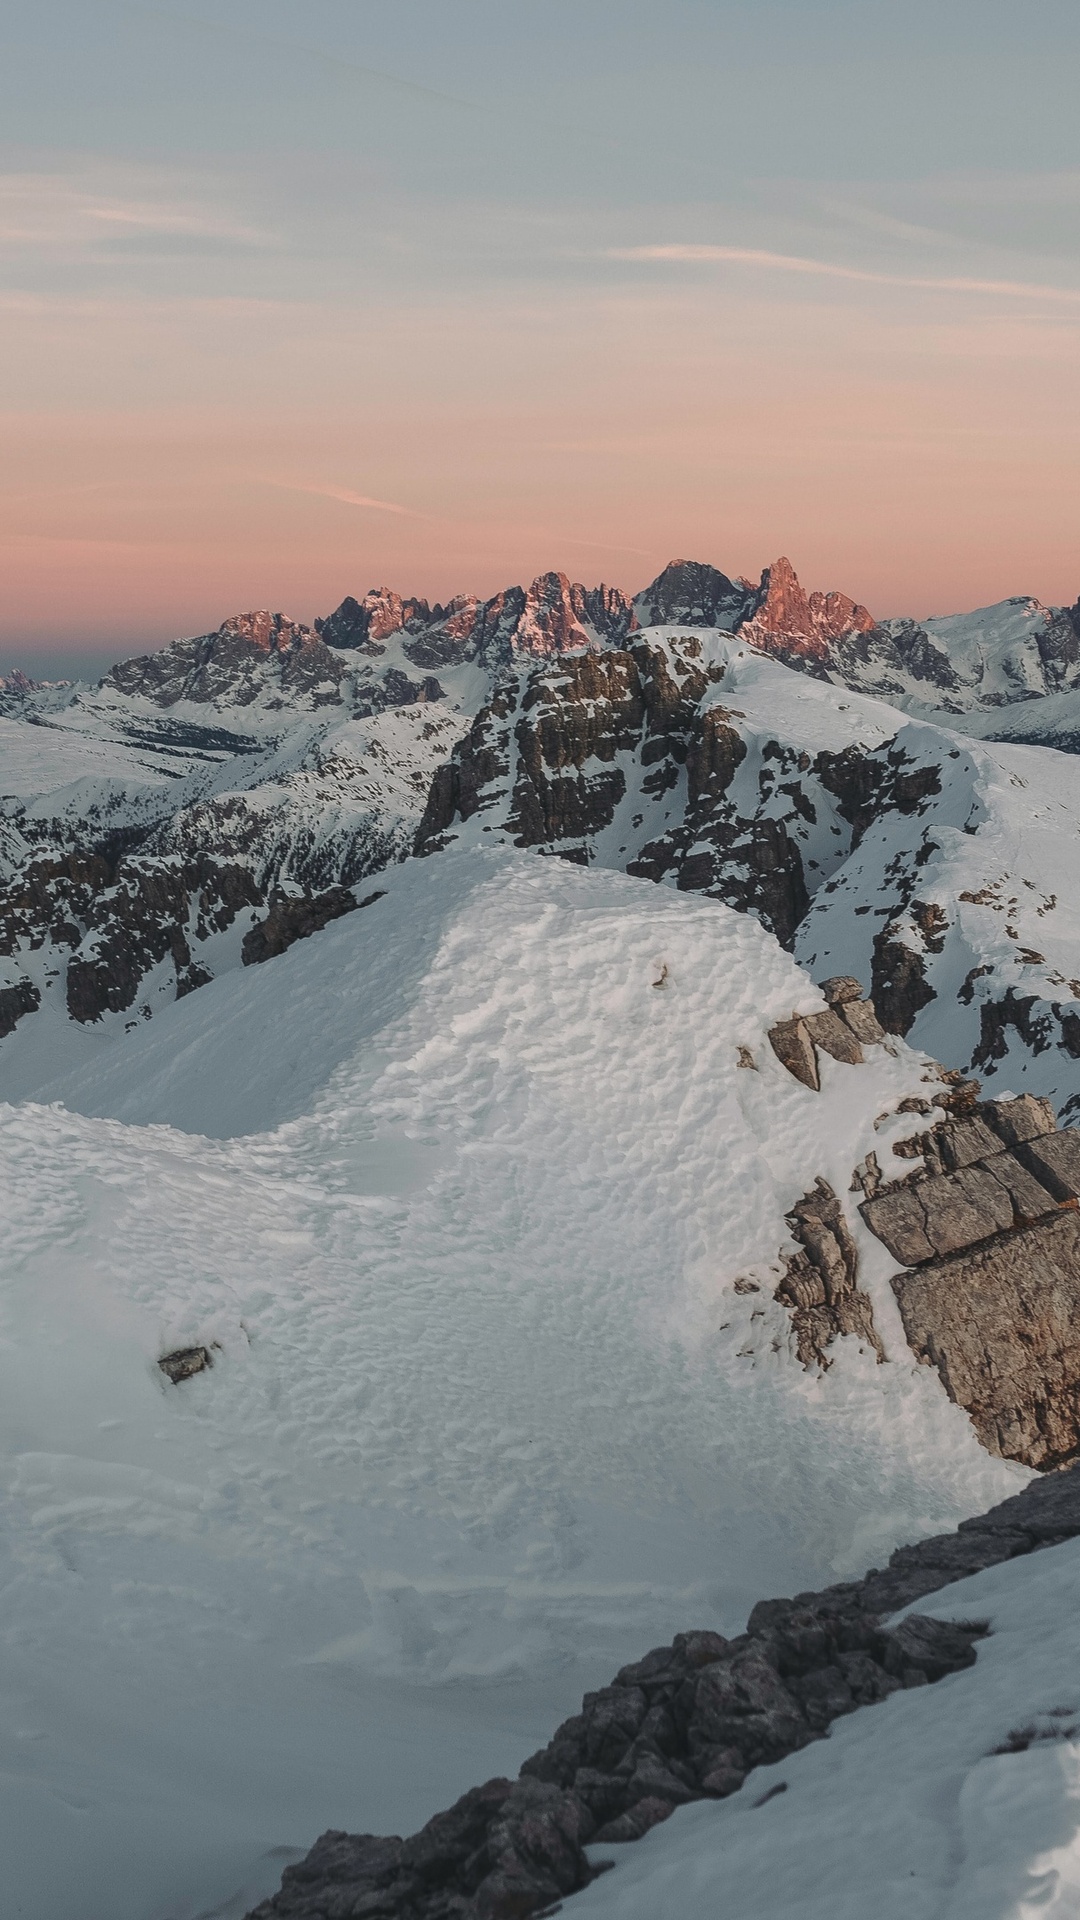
{"points": [[986, 1228], [553, 615], [797, 626], [251, 655], [630, 757]]}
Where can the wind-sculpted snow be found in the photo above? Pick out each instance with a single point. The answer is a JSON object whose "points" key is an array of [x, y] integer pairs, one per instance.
{"points": [[456, 1196]]}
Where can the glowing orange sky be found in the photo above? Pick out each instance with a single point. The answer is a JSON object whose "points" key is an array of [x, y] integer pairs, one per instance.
{"points": [[271, 377], [921, 460]]}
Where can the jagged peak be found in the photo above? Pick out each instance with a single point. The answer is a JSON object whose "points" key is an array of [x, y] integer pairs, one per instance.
{"points": [[269, 632], [786, 619], [691, 593]]}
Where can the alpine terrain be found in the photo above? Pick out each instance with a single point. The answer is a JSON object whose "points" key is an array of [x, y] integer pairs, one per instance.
{"points": [[541, 1202]]}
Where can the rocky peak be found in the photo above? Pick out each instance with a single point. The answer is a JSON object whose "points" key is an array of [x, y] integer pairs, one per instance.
{"points": [[18, 682], [788, 621], [363, 625], [266, 632], [689, 593], [552, 620], [250, 654]]}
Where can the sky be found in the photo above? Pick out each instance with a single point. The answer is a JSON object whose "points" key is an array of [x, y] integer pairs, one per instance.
{"points": [[301, 297]]}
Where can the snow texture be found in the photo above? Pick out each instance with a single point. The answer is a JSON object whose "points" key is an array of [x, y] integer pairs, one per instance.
{"points": [[456, 1195]]}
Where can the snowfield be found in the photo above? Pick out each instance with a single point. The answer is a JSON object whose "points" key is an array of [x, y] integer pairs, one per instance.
{"points": [[457, 1193]]}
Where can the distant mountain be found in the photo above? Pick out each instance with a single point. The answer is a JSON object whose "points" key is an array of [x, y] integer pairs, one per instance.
{"points": [[152, 823]]}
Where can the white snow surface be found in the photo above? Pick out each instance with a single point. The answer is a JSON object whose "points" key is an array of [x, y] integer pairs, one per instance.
{"points": [[457, 1194], [908, 1810]]}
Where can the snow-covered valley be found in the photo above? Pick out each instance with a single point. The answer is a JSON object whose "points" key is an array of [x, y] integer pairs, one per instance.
{"points": [[478, 1200]]}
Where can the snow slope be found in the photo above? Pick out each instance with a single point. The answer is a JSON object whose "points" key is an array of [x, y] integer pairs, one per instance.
{"points": [[909, 1810], [458, 1192], [982, 883]]}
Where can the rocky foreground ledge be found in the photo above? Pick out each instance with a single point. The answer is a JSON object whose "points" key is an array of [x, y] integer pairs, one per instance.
{"points": [[688, 1722]]}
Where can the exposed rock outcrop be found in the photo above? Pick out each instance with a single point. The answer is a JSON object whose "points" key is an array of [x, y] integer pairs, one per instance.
{"points": [[552, 616], [691, 594], [800, 627], [847, 1025], [16, 1000], [1001, 1323], [689, 1721], [295, 917], [184, 1362], [251, 655], [988, 1231], [563, 744], [820, 1285]]}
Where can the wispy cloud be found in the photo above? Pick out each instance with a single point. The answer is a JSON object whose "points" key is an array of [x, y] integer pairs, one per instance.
{"points": [[795, 263], [347, 498], [59, 211]]}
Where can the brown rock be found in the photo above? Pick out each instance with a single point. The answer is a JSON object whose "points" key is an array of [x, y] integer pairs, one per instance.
{"points": [[1021, 1119], [1054, 1159], [820, 1284], [1030, 1199], [900, 1223], [963, 1208], [962, 1316], [789, 621], [792, 1045], [967, 1140], [185, 1361], [860, 1016], [842, 988], [828, 1031]]}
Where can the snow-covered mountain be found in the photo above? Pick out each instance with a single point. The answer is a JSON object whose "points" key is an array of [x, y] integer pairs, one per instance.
{"points": [[547, 1251], [150, 824], [480, 1219]]}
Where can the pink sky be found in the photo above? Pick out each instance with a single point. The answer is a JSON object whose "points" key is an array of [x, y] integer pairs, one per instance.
{"points": [[906, 433]]}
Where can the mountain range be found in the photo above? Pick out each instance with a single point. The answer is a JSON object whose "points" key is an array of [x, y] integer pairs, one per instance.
{"points": [[694, 735], [527, 1127]]}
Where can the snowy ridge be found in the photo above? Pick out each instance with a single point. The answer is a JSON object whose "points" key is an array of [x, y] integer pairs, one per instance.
{"points": [[478, 1202], [457, 1195]]}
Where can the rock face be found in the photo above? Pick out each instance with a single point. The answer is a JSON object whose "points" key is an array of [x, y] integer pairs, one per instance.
{"points": [[296, 917], [22, 998], [689, 1721], [692, 595], [821, 1282], [632, 743], [554, 615], [250, 655], [117, 920], [801, 627], [1001, 1322], [848, 1023], [988, 1230], [987, 1227]]}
